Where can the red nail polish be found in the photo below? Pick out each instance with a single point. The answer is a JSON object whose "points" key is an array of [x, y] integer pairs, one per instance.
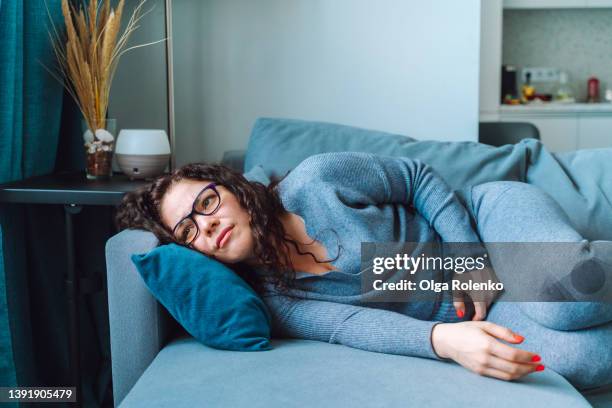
{"points": [[460, 313], [540, 368], [536, 358], [518, 338]]}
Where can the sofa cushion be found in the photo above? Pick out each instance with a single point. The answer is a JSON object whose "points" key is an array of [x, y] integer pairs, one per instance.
{"points": [[298, 373], [207, 298]]}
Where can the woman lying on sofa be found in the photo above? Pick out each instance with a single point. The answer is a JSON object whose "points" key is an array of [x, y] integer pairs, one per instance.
{"points": [[312, 286]]}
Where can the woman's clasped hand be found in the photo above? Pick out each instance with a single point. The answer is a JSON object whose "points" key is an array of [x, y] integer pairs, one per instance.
{"points": [[481, 298]]}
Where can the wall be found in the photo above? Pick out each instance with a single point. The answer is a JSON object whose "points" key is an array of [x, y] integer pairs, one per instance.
{"points": [[401, 66], [490, 58], [138, 94], [576, 40]]}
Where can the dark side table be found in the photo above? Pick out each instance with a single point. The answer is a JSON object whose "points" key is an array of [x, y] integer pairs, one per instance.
{"points": [[73, 191]]}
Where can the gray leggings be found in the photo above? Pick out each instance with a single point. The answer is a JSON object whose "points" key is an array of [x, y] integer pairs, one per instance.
{"points": [[573, 338]]}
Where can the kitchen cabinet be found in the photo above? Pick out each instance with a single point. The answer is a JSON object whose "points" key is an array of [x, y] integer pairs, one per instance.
{"points": [[599, 3], [562, 127], [542, 4], [594, 132], [563, 132], [558, 134]]}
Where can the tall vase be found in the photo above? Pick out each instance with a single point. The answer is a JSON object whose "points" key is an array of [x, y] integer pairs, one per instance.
{"points": [[99, 146]]}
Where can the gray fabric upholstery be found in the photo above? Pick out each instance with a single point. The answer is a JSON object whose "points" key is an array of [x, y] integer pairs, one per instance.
{"points": [[135, 332], [303, 373]]}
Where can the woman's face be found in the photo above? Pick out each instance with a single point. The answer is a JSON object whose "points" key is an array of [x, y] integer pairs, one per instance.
{"points": [[235, 245]]}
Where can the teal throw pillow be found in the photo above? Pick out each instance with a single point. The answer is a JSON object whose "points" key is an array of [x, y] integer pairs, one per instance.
{"points": [[207, 298]]}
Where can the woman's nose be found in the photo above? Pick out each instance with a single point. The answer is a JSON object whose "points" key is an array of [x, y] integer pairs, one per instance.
{"points": [[207, 223]]}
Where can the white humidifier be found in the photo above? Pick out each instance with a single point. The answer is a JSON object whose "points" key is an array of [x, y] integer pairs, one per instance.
{"points": [[142, 153]]}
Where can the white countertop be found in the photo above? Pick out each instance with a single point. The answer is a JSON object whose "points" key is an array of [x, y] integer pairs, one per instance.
{"points": [[552, 107]]}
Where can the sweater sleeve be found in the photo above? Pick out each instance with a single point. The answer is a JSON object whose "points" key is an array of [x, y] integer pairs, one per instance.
{"points": [[359, 327], [370, 179]]}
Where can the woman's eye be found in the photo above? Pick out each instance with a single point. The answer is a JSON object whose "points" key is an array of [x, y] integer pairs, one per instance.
{"points": [[208, 202], [186, 232]]}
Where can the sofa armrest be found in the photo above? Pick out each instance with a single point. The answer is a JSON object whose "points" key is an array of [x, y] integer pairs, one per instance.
{"points": [[234, 159], [137, 328]]}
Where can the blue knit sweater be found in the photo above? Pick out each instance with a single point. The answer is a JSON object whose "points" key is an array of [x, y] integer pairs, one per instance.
{"points": [[349, 198]]}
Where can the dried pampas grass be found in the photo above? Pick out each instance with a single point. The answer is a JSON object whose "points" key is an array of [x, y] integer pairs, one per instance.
{"points": [[90, 52]]}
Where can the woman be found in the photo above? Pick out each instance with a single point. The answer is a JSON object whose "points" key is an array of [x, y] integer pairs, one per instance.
{"points": [[269, 235]]}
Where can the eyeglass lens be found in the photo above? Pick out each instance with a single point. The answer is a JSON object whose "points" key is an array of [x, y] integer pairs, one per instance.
{"points": [[205, 204]]}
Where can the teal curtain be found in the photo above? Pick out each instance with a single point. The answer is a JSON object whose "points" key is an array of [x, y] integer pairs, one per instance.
{"points": [[39, 134], [30, 113]]}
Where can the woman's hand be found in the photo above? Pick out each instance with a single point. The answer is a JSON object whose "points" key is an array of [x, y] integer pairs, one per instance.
{"points": [[481, 299], [480, 308], [475, 346]]}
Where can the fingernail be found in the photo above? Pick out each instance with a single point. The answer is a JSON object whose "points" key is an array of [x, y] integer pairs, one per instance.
{"points": [[460, 313], [536, 358], [518, 338], [540, 368]]}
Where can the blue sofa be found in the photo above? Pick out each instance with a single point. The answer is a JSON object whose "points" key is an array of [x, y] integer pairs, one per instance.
{"points": [[155, 363]]}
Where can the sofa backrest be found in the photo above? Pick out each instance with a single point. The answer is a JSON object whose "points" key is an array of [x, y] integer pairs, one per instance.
{"points": [[290, 141]]}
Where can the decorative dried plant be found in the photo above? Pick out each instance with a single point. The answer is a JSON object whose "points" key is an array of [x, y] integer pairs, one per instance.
{"points": [[89, 54]]}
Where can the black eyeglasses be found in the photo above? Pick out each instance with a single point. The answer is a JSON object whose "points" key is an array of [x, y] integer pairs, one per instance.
{"points": [[207, 202]]}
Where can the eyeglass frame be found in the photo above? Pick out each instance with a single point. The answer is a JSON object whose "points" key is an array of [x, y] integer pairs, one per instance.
{"points": [[212, 186]]}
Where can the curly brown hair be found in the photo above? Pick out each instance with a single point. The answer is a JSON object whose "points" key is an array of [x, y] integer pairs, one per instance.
{"points": [[140, 209]]}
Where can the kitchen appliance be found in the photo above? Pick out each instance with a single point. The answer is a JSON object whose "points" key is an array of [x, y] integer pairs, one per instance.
{"points": [[509, 89]]}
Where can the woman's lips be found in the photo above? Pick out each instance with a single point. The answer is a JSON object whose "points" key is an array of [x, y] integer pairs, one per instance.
{"points": [[223, 237]]}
